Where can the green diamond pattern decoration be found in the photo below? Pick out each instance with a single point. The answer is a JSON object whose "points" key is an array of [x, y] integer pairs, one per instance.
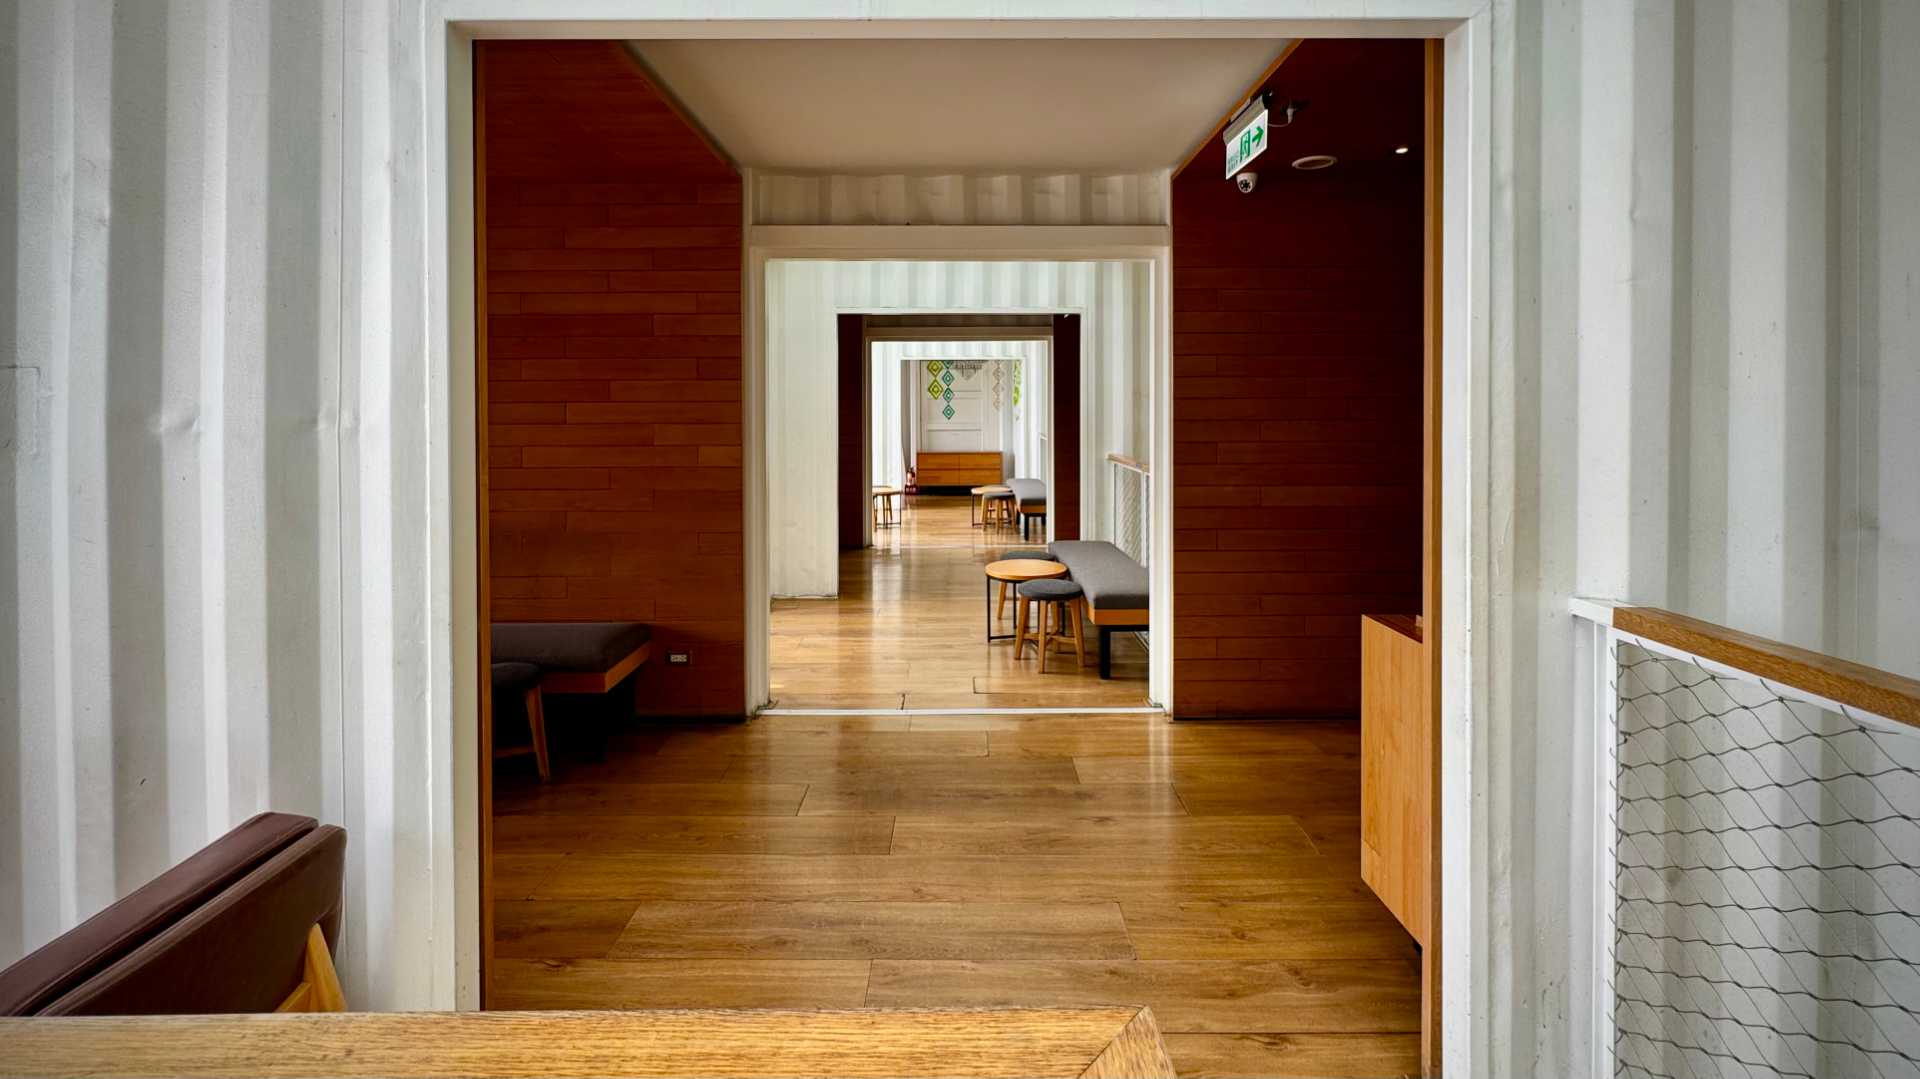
{"points": [[934, 389], [934, 367], [946, 395], [947, 412], [947, 377]]}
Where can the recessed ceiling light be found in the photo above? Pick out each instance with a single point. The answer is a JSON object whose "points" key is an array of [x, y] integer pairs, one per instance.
{"points": [[1314, 161], [1399, 149]]}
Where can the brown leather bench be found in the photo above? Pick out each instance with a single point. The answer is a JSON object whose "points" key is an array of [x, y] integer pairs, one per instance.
{"points": [[246, 924]]}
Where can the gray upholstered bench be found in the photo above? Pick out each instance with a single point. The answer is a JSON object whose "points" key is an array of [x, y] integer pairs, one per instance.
{"points": [[1030, 498], [1115, 587], [574, 657]]}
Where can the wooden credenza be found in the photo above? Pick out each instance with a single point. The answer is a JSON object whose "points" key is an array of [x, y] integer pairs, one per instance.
{"points": [[958, 469]]}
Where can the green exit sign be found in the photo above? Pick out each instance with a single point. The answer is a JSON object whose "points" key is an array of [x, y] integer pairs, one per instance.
{"points": [[1245, 141]]}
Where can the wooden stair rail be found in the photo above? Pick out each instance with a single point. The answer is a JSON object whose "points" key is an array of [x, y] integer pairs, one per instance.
{"points": [[1083, 1043], [1853, 684]]}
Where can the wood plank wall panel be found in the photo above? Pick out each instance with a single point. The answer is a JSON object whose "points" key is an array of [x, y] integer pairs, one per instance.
{"points": [[854, 495], [613, 296], [1064, 505], [1297, 398]]}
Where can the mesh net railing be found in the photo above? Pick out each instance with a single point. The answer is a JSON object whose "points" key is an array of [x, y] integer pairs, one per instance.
{"points": [[1766, 914], [1132, 529]]}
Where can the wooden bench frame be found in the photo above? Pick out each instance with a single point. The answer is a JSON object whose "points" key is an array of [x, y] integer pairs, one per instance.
{"points": [[596, 681], [1107, 622]]}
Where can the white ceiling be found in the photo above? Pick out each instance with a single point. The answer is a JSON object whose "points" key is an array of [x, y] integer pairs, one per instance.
{"points": [[959, 106]]}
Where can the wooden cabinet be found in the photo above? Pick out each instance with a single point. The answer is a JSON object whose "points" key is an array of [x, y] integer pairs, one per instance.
{"points": [[958, 469], [1396, 769]]}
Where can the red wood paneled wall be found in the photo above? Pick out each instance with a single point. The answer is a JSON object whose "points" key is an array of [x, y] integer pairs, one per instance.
{"points": [[1296, 414], [852, 495], [1064, 505], [613, 344]]}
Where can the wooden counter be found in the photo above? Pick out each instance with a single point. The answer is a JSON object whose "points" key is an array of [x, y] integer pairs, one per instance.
{"points": [[1396, 766], [1094, 1043]]}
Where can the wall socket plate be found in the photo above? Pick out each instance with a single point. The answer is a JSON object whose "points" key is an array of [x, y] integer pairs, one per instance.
{"points": [[680, 659]]}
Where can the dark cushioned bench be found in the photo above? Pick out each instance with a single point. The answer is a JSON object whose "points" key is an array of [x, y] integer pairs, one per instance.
{"points": [[1030, 497], [246, 924], [1115, 586], [575, 657]]}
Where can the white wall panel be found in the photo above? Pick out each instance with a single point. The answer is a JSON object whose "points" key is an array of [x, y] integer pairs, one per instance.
{"points": [[1707, 386], [215, 502], [1006, 199], [1115, 300]]}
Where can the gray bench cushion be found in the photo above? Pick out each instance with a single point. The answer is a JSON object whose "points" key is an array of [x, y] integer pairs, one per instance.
{"points": [[1111, 580], [568, 646], [1031, 493]]}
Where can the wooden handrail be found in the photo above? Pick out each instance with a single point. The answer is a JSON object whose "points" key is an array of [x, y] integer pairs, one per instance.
{"points": [[1085, 1043], [1130, 462], [1857, 685]]}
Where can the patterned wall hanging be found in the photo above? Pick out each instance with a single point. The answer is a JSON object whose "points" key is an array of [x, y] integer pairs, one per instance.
{"points": [[934, 389], [934, 367], [1018, 376], [996, 387]]}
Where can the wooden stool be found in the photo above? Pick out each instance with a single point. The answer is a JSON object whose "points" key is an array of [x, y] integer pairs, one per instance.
{"points": [[997, 506], [524, 679], [1013, 571], [976, 509], [1059, 605], [883, 506]]}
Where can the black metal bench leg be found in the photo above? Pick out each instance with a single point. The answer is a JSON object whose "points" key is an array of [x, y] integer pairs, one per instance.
{"points": [[1106, 652]]}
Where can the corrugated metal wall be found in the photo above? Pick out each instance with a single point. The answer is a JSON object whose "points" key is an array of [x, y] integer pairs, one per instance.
{"points": [[1724, 188], [1705, 382], [213, 499], [1008, 199]]}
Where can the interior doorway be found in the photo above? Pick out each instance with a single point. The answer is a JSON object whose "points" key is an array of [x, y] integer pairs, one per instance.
{"points": [[964, 440]]}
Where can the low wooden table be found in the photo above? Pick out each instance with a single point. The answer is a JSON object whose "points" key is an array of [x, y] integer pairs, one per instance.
{"points": [[1012, 571]]}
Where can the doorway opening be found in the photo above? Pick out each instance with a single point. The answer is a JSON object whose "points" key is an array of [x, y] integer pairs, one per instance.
{"points": [[615, 870], [975, 452]]}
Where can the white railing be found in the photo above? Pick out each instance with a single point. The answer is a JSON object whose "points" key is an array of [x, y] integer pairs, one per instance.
{"points": [[1131, 507], [1756, 856]]}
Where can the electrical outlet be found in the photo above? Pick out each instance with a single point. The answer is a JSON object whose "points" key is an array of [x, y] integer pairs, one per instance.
{"points": [[680, 659]]}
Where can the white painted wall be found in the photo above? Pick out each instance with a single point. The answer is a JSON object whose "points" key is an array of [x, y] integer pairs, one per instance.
{"points": [[1705, 390], [894, 398], [222, 575], [803, 297]]}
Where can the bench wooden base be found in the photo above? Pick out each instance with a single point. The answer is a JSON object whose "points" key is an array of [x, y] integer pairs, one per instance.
{"points": [[319, 988], [1109, 620]]}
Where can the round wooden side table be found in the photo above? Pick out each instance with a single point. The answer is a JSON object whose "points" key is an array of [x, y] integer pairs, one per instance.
{"points": [[1012, 571]]}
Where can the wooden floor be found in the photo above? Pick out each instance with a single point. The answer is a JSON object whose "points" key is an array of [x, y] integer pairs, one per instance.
{"points": [[908, 630], [1209, 870]]}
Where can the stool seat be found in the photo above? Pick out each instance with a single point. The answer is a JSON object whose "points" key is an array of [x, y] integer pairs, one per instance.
{"points": [[514, 676], [1049, 590]]}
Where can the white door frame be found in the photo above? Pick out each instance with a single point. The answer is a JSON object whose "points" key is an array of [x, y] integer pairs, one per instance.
{"points": [[949, 243], [446, 233]]}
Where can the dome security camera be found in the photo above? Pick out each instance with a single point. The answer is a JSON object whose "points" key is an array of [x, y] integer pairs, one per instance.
{"points": [[1245, 182]]}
